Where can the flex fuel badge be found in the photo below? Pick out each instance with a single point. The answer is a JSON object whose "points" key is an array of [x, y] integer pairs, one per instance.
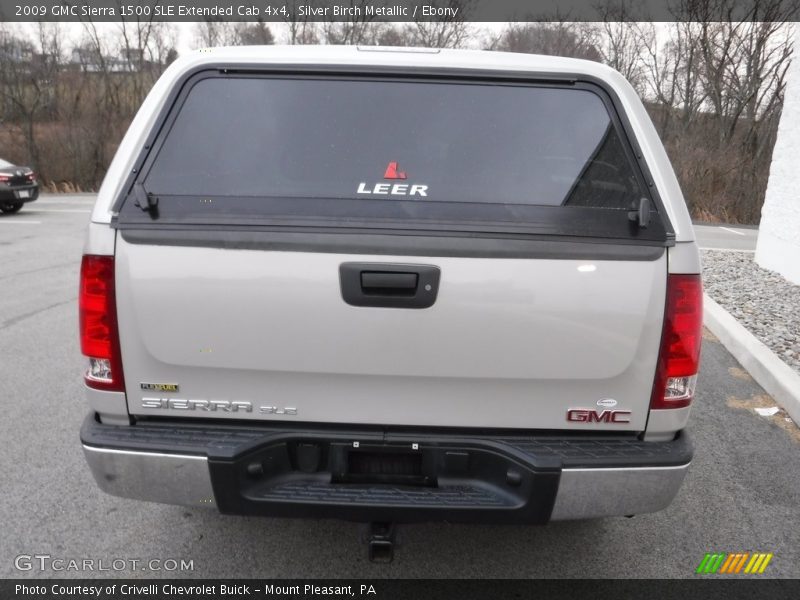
{"points": [[159, 387]]}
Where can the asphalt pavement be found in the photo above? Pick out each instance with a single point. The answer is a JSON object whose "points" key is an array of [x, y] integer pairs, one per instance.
{"points": [[726, 237], [741, 493]]}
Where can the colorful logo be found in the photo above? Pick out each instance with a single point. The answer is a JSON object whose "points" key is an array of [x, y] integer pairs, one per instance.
{"points": [[734, 563], [392, 172]]}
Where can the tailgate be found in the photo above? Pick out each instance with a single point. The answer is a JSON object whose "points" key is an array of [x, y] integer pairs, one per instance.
{"points": [[508, 342]]}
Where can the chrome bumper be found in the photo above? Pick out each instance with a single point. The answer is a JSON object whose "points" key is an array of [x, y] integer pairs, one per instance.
{"points": [[582, 493], [165, 478], [590, 493]]}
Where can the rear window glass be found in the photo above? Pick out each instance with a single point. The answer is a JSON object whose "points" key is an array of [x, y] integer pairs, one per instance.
{"points": [[394, 140]]}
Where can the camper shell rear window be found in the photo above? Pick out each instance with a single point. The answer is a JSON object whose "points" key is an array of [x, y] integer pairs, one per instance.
{"points": [[400, 153]]}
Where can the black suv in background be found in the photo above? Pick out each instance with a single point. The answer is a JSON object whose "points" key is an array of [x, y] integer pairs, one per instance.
{"points": [[18, 185]]}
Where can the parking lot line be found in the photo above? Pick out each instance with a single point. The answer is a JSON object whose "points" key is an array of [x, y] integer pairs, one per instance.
{"points": [[61, 210], [732, 230], [19, 222], [87, 202]]}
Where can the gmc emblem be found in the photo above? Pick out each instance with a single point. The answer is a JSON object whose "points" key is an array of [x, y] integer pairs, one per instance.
{"points": [[587, 415]]}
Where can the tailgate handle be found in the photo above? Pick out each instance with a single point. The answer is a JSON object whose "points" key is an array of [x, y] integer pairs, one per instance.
{"points": [[389, 285], [383, 282]]}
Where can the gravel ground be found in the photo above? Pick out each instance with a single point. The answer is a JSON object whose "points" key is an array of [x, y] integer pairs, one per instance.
{"points": [[761, 300]]}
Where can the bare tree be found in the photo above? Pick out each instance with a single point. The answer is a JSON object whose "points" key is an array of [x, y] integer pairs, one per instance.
{"points": [[215, 32], [211, 33], [623, 41], [717, 85], [27, 73], [453, 33], [254, 34], [394, 36], [301, 29], [560, 38], [142, 48], [100, 85], [359, 28], [671, 74]]}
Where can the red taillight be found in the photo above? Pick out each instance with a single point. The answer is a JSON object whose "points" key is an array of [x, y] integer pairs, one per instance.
{"points": [[679, 356], [31, 176], [98, 324], [5, 177]]}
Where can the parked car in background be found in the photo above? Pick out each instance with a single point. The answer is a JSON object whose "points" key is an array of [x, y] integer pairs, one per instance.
{"points": [[18, 185]]}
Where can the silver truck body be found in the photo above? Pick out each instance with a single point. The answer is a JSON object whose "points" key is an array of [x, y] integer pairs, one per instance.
{"points": [[559, 337]]}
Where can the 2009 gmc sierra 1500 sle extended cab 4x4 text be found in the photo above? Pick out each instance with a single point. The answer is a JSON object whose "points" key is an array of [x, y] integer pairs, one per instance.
{"points": [[391, 285]]}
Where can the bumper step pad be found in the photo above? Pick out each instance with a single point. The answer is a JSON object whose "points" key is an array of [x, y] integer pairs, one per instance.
{"points": [[445, 496]]}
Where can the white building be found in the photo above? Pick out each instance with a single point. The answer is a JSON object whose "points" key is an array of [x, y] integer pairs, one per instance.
{"points": [[778, 247]]}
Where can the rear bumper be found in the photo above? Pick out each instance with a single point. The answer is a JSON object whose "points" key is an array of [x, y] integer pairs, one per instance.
{"points": [[377, 475], [12, 194]]}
